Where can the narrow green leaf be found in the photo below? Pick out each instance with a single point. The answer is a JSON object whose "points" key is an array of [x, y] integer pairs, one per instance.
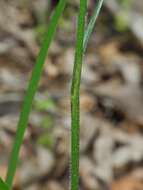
{"points": [[92, 23], [3, 185], [32, 88], [75, 96]]}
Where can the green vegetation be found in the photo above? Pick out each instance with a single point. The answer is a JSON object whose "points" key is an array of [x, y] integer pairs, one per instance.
{"points": [[46, 140], [82, 41], [83, 36], [32, 88], [123, 16], [3, 185], [75, 94], [44, 105], [92, 23], [47, 122]]}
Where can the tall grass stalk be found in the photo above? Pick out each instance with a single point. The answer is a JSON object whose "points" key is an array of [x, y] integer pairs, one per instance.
{"points": [[75, 94], [32, 88], [82, 41]]}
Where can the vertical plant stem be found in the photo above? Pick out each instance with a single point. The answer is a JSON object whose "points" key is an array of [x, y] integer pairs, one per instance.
{"points": [[82, 41], [92, 23], [32, 88], [75, 93]]}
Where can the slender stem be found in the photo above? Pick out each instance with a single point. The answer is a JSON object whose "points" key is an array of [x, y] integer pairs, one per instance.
{"points": [[32, 88], [75, 91], [82, 41], [92, 23]]}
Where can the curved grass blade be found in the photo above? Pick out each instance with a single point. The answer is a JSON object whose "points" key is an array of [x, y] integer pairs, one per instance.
{"points": [[92, 23], [75, 96], [3, 185], [32, 88]]}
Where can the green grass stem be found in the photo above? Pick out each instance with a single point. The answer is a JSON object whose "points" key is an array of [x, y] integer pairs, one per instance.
{"points": [[32, 88], [75, 94], [81, 45]]}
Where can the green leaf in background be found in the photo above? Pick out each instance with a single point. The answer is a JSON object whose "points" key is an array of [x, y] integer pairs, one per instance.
{"points": [[125, 3], [122, 21], [122, 17], [46, 140], [47, 122], [44, 105], [3, 185], [40, 32]]}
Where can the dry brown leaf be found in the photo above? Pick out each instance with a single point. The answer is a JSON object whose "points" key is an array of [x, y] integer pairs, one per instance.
{"points": [[127, 183]]}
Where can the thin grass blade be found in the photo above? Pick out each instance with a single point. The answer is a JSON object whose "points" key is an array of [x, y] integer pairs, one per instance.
{"points": [[32, 88], [92, 23]]}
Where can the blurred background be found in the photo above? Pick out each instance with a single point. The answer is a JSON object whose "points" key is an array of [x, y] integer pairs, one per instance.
{"points": [[111, 96]]}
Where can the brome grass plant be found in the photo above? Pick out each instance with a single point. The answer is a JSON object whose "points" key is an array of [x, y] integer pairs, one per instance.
{"points": [[83, 35]]}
